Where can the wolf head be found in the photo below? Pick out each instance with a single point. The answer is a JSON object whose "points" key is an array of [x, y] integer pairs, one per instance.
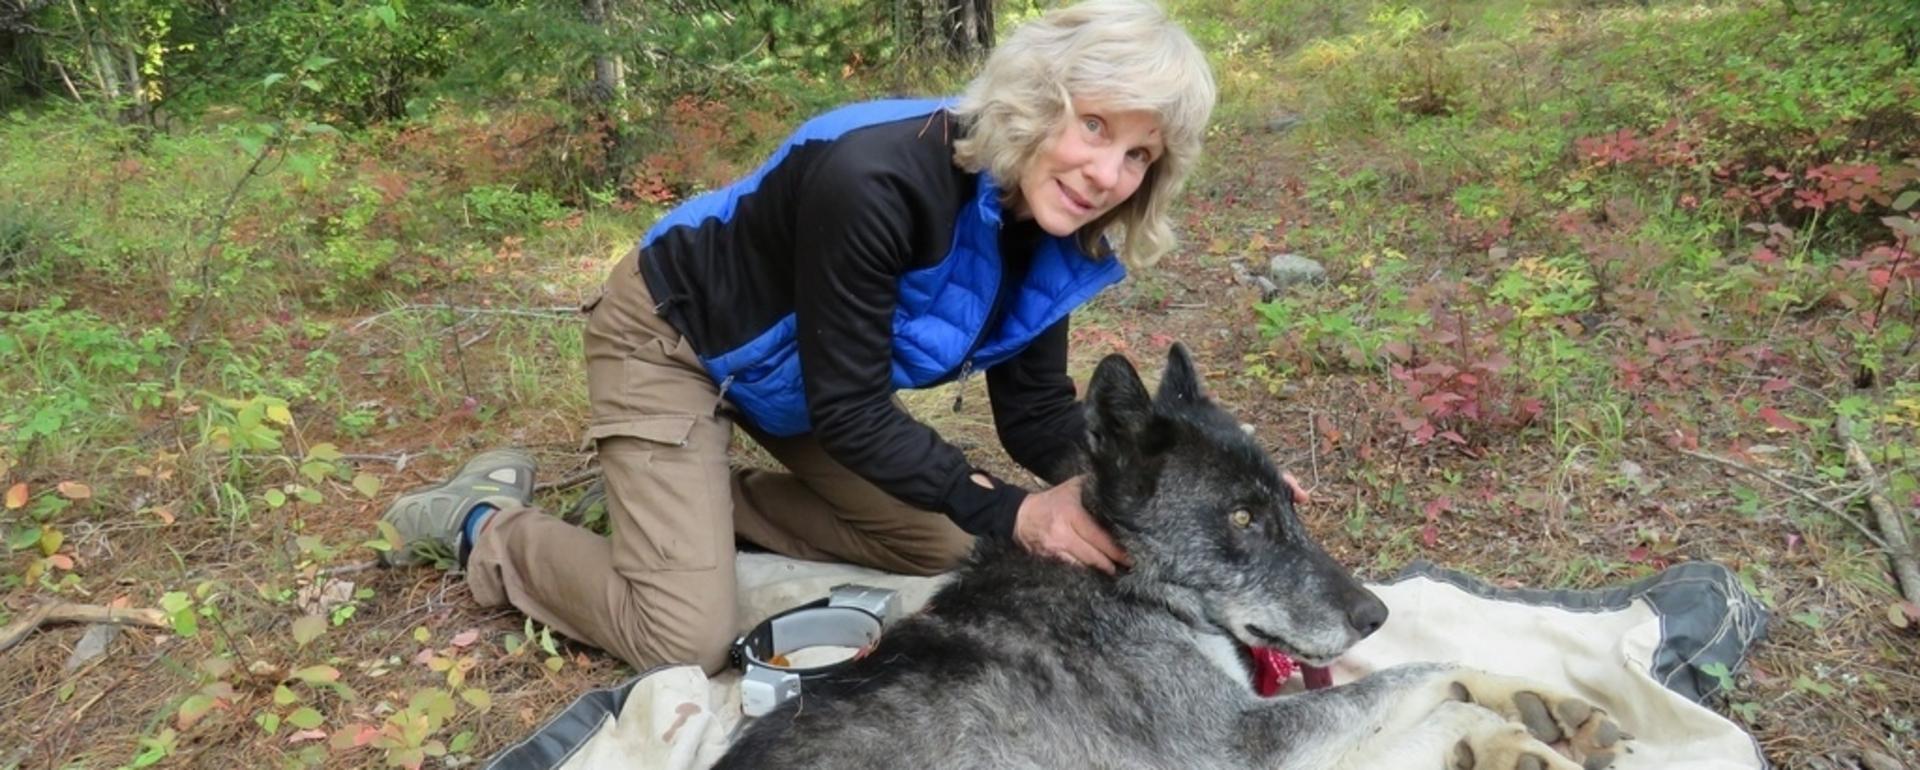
{"points": [[1208, 521]]}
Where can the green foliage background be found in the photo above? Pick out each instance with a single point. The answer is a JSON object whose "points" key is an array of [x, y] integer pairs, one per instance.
{"points": [[237, 236]]}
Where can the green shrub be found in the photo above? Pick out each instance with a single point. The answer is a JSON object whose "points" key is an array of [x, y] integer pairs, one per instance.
{"points": [[71, 377]]}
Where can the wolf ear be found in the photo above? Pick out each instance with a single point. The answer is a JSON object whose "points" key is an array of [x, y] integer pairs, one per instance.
{"points": [[1180, 384], [1120, 419]]}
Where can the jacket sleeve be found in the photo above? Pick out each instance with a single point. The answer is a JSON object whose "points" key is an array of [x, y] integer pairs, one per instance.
{"points": [[1041, 426], [854, 240]]}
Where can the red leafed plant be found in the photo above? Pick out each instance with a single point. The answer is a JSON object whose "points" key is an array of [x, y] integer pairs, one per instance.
{"points": [[1455, 380]]}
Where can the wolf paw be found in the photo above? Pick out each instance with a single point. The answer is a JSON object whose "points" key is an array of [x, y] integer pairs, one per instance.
{"points": [[1506, 746], [1575, 728]]}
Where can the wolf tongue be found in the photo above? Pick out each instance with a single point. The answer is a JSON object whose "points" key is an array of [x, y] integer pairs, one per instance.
{"points": [[1271, 668], [1317, 678]]}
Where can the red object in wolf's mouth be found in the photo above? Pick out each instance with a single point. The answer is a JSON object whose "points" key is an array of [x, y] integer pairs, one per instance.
{"points": [[1272, 668]]}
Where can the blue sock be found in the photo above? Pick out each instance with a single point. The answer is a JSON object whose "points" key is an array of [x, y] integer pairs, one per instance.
{"points": [[470, 528]]}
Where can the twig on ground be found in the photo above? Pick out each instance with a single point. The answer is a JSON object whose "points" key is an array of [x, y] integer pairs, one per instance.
{"points": [[1313, 445], [1899, 546], [569, 482], [348, 569], [399, 460], [1803, 494], [560, 312], [66, 612]]}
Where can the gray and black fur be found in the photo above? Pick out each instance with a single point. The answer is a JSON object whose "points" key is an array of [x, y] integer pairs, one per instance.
{"points": [[1026, 662]]}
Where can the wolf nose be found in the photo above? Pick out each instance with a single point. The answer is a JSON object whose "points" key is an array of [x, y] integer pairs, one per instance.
{"points": [[1367, 615]]}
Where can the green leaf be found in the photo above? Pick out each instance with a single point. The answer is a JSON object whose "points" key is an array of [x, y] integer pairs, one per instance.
{"points": [[22, 539], [420, 633], [1805, 684], [318, 675], [1906, 200], [367, 484], [387, 16], [308, 628], [324, 452], [192, 710], [434, 702], [275, 498], [179, 608], [389, 537], [308, 495], [284, 696], [1810, 619], [316, 472], [312, 85], [305, 718], [268, 81], [477, 698], [317, 62], [268, 721], [1721, 675], [461, 742]]}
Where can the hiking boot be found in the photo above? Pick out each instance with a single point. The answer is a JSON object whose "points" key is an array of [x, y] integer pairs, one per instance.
{"points": [[431, 518]]}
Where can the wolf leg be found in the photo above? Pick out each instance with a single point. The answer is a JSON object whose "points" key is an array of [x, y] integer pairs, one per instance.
{"points": [[1376, 721]]}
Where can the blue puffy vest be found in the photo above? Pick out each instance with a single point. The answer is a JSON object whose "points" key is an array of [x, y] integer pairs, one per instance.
{"points": [[941, 312]]}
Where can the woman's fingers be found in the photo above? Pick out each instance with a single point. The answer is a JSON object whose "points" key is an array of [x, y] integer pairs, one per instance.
{"points": [[1095, 536]]}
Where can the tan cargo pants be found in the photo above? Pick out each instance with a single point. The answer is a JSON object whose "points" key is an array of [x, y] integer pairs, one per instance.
{"points": [[661, 589]]}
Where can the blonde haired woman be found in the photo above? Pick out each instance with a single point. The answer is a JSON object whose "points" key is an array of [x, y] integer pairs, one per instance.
{"points": [[886, 245]]}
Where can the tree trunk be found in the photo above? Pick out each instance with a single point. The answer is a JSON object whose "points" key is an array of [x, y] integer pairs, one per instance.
{"points": [[141, 109], [969, 27], [609, 72]]}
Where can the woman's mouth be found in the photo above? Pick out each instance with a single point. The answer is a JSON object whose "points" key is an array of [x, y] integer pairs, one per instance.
{"points": [[1073, 200]]}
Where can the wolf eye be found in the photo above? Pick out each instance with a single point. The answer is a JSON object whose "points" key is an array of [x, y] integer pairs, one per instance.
{"points": [[1241, 518]]}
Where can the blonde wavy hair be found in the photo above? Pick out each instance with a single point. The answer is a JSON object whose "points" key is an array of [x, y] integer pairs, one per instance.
{"points": [[1126, 53]]}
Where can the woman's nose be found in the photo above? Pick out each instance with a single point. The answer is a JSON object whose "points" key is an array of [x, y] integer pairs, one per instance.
{"points": [[1103, 170]]}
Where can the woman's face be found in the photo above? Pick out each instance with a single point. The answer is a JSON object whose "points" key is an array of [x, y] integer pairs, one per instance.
{"points": [[1093, 162]]}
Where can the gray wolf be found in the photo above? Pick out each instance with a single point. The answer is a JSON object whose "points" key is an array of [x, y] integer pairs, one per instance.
{"points": [[1023, 662]]}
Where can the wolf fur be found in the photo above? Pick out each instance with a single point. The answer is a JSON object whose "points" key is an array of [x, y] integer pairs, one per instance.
{"points": [[1025, 662]]}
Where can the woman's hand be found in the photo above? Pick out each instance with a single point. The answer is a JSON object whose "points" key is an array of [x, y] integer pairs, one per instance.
{"points": [[1053, 524]]}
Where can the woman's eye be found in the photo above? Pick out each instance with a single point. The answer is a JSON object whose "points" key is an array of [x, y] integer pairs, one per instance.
{"points": [[1140, 155], [1092, 124]]}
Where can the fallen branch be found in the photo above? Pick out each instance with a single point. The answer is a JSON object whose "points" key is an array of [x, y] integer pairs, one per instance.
{"points": [[569, 482], [561, 312], [65, 612], [349, 568], [1899, 545], [1801, 493], [399, 461]]}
